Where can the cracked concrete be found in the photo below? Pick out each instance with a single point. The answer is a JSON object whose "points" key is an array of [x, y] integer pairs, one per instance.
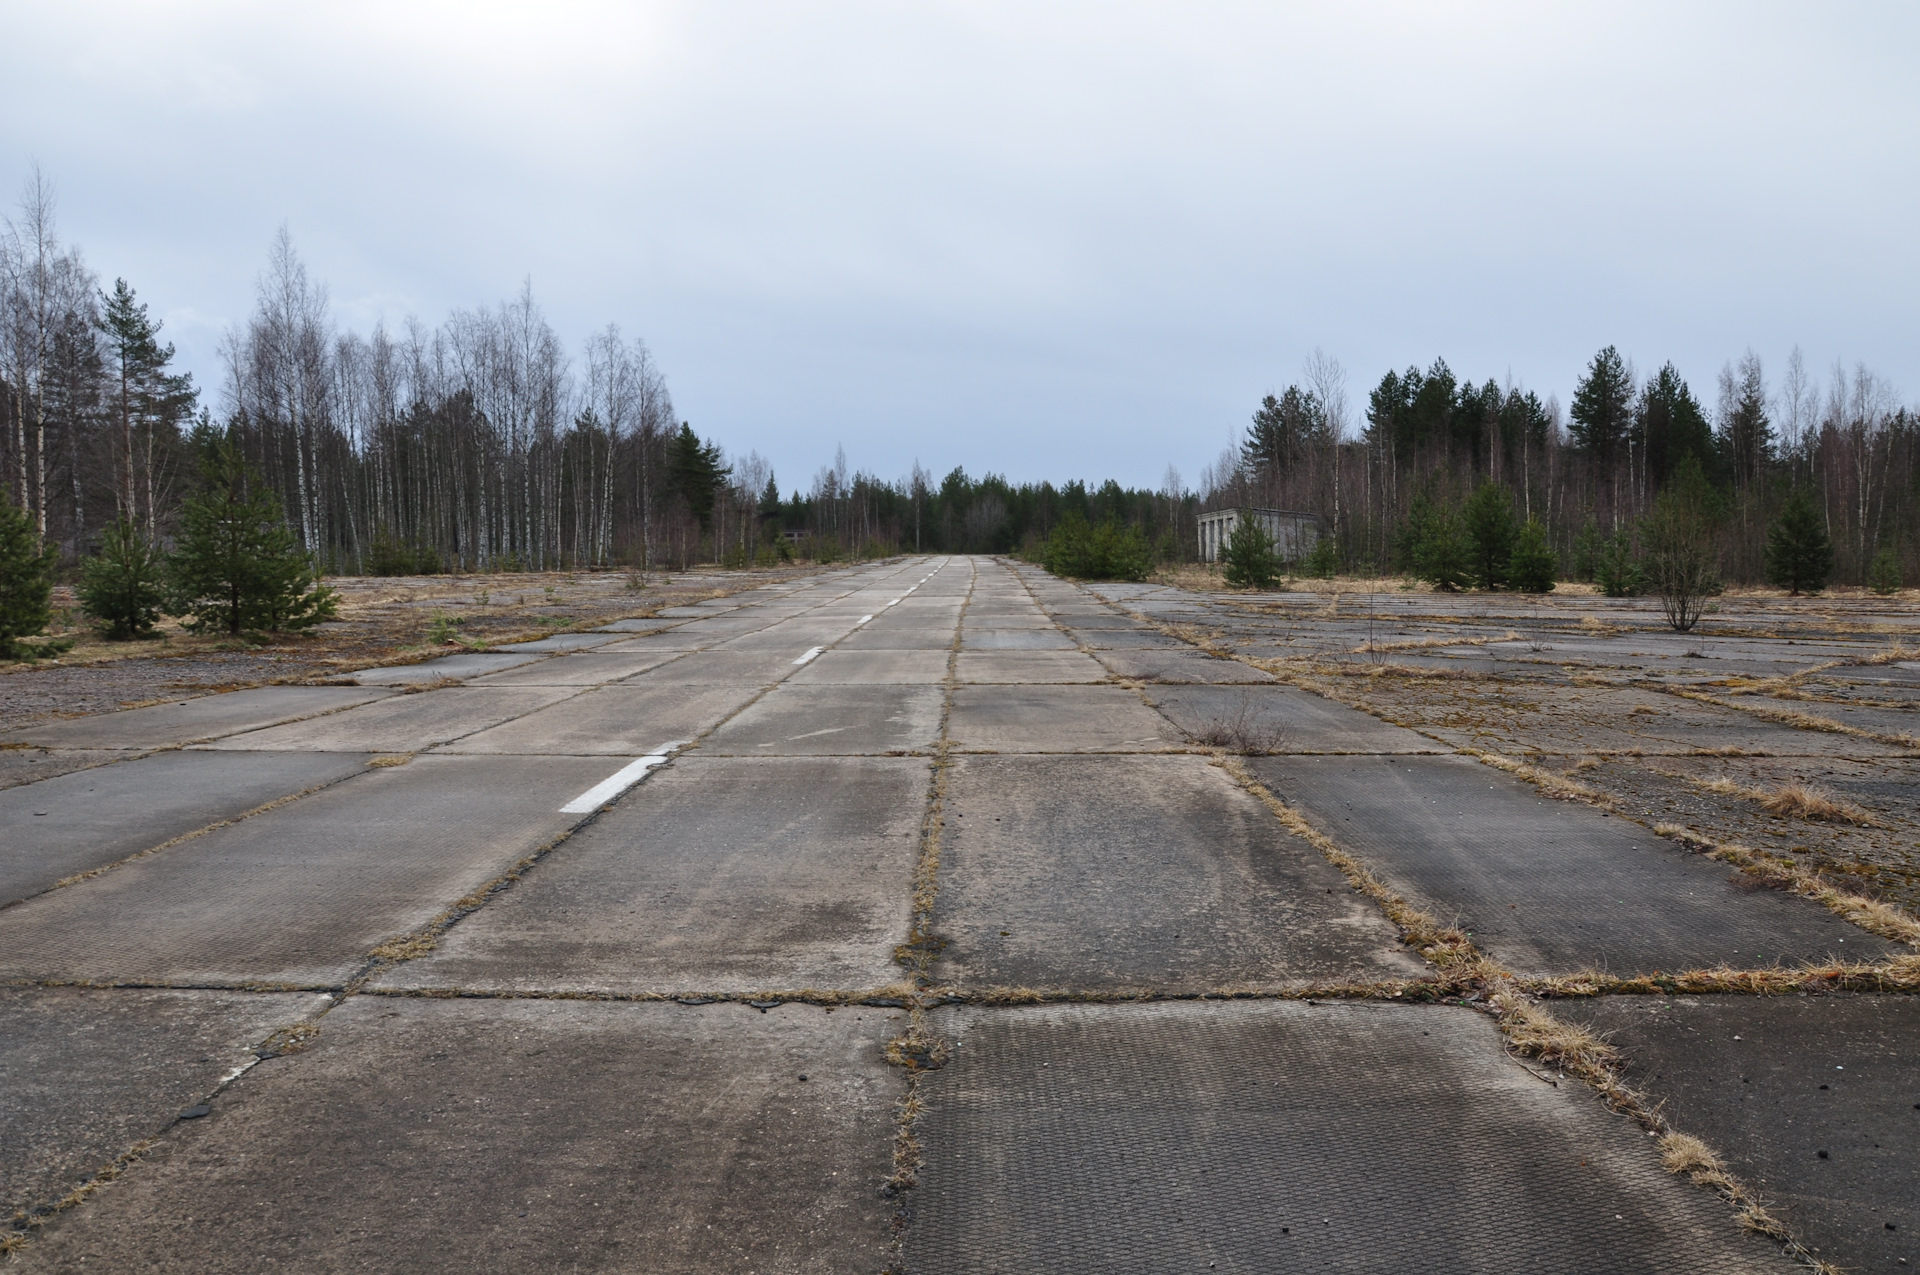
{"points": [[762, 1009]]}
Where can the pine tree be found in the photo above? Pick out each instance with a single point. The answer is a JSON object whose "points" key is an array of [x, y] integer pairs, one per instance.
{"points": [[238, 566], [1534, 563], [1490, 529], [1251, 562], [1324, 562], [1602, 406], [1616, 570], [26, 581], [1799, 553], [145, 402], [695, 471], [1883, 577], [123, 586], [1434, 547]]}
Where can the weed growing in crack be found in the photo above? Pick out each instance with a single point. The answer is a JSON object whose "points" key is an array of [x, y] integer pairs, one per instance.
{"points": [[1243, 729]]}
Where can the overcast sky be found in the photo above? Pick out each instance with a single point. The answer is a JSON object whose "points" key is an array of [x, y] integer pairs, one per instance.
{"points": [[1049, 240]]}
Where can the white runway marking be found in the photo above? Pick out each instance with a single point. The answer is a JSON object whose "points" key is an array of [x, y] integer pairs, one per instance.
{"points": [[809, 655], [863, 620], [618, 782]]}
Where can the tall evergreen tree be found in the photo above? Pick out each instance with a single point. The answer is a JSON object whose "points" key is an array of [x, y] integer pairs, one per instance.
{"points": [[26, 580], [1285, 429], [237, 566], [1602, 410], [1672, 426], [695, 471], [1799, 551], [145, 402], [1534, 564], [1746, 431], [124, 585]]}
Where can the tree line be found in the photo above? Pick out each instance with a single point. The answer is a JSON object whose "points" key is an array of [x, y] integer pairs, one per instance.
{"points": [[1433, 453]]}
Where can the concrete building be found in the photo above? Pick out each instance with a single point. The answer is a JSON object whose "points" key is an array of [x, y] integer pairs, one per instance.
{"points": [[1294, 534]]}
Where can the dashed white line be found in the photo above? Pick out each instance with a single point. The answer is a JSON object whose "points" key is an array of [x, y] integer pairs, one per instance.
{"points": [[809, 655], [618, 782]]}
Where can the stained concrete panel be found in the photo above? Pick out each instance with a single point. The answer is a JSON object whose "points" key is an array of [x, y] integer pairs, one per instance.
{"points": [[909, 633], [560, 642], [86, 1074], [1124, 639], [402, 723], [631, 719], [581, 668], [523, 1136], [203, 717], [1012, 667], [858, 668], [82, 821], [727, 668], [468, 664], [793, 637], [1105, 872], [811, 720], [32, 765], [1546, 886], [717, 874], [1285, 1136], [1057, 719], [302, 893], [1180, 666], [1034, 639], [1814, 1101], [1287, 719]]}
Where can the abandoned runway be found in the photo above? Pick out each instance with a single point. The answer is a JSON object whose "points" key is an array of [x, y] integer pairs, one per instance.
{"points": [[894, 918]]}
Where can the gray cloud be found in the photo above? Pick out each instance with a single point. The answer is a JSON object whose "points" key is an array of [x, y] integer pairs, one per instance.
{"points": [[1074, 239]]}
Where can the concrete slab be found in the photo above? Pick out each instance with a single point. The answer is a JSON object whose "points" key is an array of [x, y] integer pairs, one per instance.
{"points": [[814, 720], [203, 717], [470, 664], [1012, 667], [1259, 1137], [1546, 886], [561, 642], [86, 1074], [727, 668], [905, 634], [628, 720], [1034, 639], [1107, 872], [866, 668], [1287, 719], [25, 765], [525, 1136], [1179, 666], [717, 875], [403, 723], [1811, 1100], [82, 821], [580, 668], [792, 637], [1124, 639], [1057, 719], [301, 894]]}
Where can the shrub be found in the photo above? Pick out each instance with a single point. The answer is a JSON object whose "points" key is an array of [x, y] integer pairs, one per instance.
{"points": [[1534, 564], [1799, 554], [1251, 562], [1324, 562], [1681, 556], [1616, 570], [124, 585], [26, 582], [1488, 519], [1109, 551], [1434, 546], [1883, 577]]}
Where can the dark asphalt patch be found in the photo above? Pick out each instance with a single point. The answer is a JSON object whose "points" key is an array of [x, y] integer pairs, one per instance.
{"points": [[78, 822], [1814, 1102]]}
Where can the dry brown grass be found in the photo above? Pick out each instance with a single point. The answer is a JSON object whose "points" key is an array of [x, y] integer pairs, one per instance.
{"points": [[1242, 729], [1417, 644], [1551, 782], [1795, 800], [391, 759], [1871, 915], [1894, 654]]}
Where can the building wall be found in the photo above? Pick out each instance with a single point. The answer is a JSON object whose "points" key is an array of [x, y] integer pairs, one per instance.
{"points": [[1294, 534]]}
